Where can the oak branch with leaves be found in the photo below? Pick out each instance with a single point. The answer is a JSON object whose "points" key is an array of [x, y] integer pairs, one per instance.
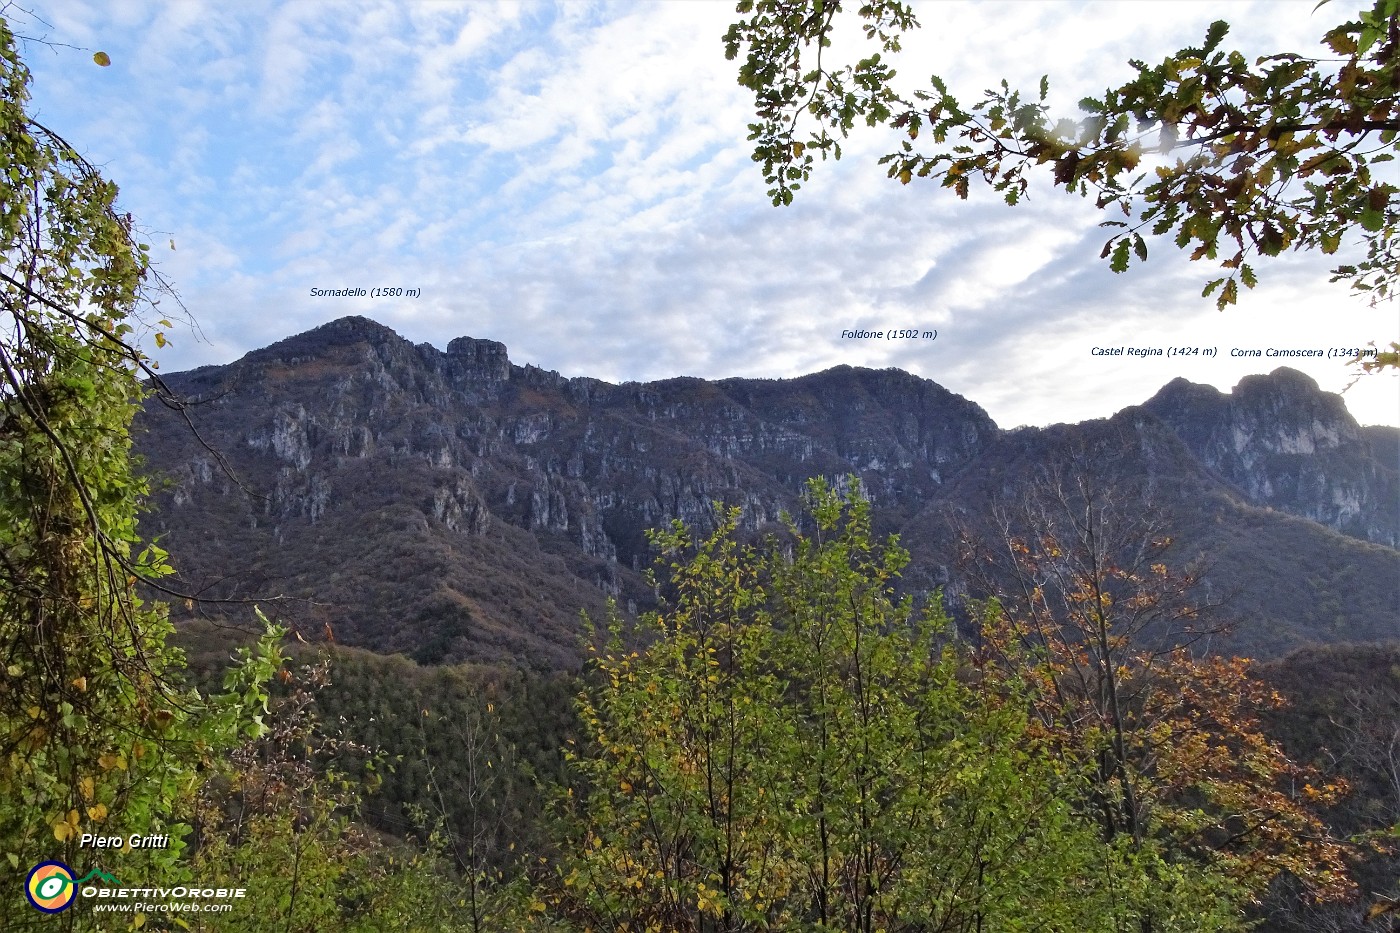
{"points": [[1233, 158]]}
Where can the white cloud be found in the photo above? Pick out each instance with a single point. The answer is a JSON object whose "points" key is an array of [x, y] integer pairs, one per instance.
{"points": [[574, 181]]}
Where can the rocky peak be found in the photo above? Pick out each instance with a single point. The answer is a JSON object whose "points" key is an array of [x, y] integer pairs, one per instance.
{"points": [[343, 332], [451, 505], [1290, 445], [482, 359]]}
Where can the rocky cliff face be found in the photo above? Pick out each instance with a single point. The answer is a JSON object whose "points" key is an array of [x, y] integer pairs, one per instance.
{"points": [[455, 505], [1286, 444], [422, 501]]}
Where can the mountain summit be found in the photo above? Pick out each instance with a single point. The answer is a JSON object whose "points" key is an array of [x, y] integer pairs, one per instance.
{"points": [[1291, 446], [453, 505]]}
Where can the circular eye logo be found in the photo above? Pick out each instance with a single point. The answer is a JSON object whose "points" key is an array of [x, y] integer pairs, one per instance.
{"points": [[50, 887]]}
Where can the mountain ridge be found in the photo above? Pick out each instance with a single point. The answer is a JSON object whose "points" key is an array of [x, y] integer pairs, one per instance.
{"points": [[450, 504]]}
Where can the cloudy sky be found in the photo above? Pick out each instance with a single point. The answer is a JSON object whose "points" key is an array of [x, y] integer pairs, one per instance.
{"points": [[573, 179]]}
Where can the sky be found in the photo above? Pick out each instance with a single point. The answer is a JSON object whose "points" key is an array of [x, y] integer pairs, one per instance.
{"points": [[574, 180]]}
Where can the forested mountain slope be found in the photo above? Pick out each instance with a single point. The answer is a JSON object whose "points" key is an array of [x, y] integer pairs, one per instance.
{"points": [[452, 505]]}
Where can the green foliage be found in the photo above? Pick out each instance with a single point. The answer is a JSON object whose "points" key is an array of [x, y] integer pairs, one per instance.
{"points": [[283, 821], [1231, 158], [798, 749], [102, 732], [466, 750], [97, 732]]}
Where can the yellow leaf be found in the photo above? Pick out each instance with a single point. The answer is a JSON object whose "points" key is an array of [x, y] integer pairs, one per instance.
{"points": [[34, 712], [138, 921], [97, 812], [62, 831], [102, 58], [85, 785], [80, 683]]}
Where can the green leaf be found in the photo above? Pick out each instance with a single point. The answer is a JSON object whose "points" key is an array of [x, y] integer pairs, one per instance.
{"points": [[1214, 34], [1119, 262]]}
